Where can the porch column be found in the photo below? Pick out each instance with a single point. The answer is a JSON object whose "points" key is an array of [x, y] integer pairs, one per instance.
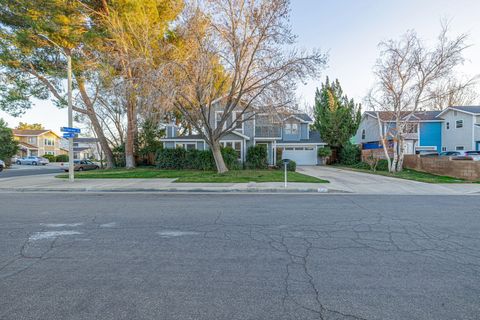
{"points": [[274, 152]]}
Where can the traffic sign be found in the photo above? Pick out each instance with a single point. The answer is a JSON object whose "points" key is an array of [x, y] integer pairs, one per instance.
{"points": [[68, 129], [68, 135]]}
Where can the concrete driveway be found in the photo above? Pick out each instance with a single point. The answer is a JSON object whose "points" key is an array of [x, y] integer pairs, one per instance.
{"points": [[365, 183]]}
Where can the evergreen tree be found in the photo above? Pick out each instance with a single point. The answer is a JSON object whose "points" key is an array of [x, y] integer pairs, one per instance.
{"points": [[8, 146], [336, 116]]}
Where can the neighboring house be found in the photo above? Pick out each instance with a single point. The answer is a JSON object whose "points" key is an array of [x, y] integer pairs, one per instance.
{"points": [[87, 148], [461, 128], [289, 133], [38, 143], [423, 131]]}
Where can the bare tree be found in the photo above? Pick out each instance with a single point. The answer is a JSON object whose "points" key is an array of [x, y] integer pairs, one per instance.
{"points": [[408, 72], [453, 92], [237, 61]]}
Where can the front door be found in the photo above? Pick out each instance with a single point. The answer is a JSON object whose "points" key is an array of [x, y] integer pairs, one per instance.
{"points": [[409, 147]]}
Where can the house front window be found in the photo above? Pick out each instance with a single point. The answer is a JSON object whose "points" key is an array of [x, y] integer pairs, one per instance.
{"points": [[235, 145], [459, 124], [218, 119], [49, 142], [448, 125], [363, 134], [411, 128], [32, 140], [459, 148], [291, 128], [237, 118], [187, 146]]}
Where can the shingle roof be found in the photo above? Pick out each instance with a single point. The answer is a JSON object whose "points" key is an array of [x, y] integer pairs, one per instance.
{"points": [[303, 116], [471, 109], [189, 137], [314, 138], [28, 145], [85, 140], [29, 132], [419, 115]]}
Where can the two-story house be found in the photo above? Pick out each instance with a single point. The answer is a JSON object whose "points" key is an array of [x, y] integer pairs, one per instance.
{"points": [[288, 133], [38, 142], [461, 128], [423, 130]]}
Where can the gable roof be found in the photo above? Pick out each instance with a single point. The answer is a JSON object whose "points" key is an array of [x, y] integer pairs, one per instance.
{"points": [[27, 145], [474, 110], [417, 116], [37, 133]]}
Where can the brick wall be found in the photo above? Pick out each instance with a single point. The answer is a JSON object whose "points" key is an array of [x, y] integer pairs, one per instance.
{"points": [[463, 169]]}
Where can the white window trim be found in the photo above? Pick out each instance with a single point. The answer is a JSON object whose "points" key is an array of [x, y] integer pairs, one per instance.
{"points": [[223, 143], [184, 145], [457, 122], [234, 120], [225, 124]]}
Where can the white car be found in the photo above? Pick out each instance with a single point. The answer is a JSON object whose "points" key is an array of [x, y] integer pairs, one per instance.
{"points": [[34, 161]]}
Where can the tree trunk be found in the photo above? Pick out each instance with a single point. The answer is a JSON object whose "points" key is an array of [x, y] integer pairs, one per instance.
{"points": [[393, 167], [217, 156], [401, 155], [131, 131], [384, 142], [96, 125]]}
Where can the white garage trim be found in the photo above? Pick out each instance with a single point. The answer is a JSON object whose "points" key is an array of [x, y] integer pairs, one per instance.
{"points": [[302, 154]]}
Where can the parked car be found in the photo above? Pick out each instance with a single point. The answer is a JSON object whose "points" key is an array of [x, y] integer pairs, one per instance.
{"points": [[2, 165], [427, 153], [467, 155], [449, 154], [80, 165], [34, 161]]}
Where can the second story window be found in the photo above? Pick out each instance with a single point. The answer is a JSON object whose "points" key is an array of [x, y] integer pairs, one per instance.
{"points": [[459, 124], [237, 117], [291, 128], [218, 119], [363, 134], [448, 125], [49, 142], [32, 140], [411, 128]]}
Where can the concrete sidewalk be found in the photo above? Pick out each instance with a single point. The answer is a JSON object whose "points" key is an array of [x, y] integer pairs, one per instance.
{"points": [[364, 183], [45, 183]]}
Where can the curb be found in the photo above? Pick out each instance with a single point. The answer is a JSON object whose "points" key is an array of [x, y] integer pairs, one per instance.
{"points": [[171, 190]]}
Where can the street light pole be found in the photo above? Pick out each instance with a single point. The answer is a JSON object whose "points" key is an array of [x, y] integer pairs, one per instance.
{"points": [[71, 176]]}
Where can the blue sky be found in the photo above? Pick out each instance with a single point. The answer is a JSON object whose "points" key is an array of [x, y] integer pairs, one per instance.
{"points": [[349, 30]]}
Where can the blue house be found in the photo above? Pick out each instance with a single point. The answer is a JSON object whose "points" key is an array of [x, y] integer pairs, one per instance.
{"points": [[423, 130], [283, 135]]}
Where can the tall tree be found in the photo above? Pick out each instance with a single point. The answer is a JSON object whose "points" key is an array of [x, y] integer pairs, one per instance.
{"points": [[35, 36], [241, 59], [8, 146], [336, 116], [135, 43], [407, 73], [27, 126]]}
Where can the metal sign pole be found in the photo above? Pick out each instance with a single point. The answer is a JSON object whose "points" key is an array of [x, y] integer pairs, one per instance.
{"points": [[285, 175], [71, 176]]}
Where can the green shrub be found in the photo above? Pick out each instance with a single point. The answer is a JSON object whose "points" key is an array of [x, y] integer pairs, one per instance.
{"points": [[50, 157], [180, 158], [291, 166], [382, 165], [257, 157], [361, 165], [350, 154], [61, 158], [324, 152], [172, 158]]}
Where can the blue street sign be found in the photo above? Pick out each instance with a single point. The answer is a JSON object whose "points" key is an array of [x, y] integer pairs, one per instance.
{"points": [[69, 135], [68, 129]]}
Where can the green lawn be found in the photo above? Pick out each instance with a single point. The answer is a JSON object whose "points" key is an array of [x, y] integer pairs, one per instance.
{"points": [[412, 175], [234, 176]]}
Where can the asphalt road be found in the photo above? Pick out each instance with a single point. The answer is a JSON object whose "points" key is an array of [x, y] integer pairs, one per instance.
{"points": [[195, 256], [28, 170]]}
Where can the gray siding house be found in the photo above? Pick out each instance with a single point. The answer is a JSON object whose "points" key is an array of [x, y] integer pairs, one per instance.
{"points": [[461, 128], [289, 133]]}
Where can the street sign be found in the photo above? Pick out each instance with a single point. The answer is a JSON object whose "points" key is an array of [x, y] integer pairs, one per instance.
{"points": [[68, 129], [69, 135]]}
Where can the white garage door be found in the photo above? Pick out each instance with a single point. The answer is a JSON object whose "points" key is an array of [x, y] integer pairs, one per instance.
{"points": [[301, 155]]}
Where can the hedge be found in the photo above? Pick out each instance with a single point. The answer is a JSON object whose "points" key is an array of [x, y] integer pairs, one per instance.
{"points": [[291, 166], [257, 157], [50, 157], [180, 158], [61, 158]]}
